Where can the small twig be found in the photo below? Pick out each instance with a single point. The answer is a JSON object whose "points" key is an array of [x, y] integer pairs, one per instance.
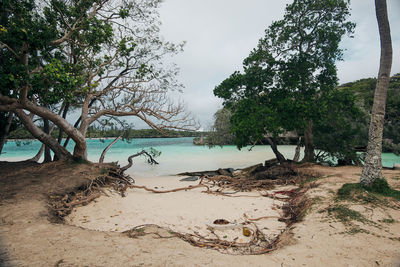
{"points": [[260, 218]]}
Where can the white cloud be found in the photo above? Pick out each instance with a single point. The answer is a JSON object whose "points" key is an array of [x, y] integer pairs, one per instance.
{"points": [[221, 33]]}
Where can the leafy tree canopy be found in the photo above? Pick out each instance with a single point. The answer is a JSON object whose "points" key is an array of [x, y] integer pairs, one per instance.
{"points": [[286, 77]]}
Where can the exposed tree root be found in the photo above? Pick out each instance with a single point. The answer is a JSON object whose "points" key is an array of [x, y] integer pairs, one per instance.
{"points": [[293, 211], [169, 191], [257, 245]]}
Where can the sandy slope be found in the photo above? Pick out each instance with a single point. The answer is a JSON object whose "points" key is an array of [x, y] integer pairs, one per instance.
{"points": [[27, 238]]}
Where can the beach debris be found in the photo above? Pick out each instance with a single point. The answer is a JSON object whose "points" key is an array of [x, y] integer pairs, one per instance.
{"points": [[285, 192], [221, 221], [190, 179], [226, 171], [150, 159], [255, 242], [246, 231]]}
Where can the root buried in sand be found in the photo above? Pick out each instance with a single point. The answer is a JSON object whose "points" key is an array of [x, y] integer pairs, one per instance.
{"points": [[257, 241]]}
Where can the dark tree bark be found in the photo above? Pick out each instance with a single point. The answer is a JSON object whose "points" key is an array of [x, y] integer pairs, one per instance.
{"points": [[60, 151], [309, 153], [372, 169], [38, 155], [60, 130], [5, 130], [151, 160], [47, 154], [274, 147]]}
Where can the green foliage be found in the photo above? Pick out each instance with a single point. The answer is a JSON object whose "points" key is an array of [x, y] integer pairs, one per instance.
{"points": [[389, 220], [379, 187], [290, 78], [154, 152], [72, 53], [345, 214], [221, 134], [339, 129], [364, 91]]}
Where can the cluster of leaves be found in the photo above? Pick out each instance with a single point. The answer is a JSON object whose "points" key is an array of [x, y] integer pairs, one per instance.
{"points": [[289, 81], [379, 187], [221, 134], [364, 92]]}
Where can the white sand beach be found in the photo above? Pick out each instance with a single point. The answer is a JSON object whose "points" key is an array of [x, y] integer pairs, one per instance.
{"points": [[191, 211]]}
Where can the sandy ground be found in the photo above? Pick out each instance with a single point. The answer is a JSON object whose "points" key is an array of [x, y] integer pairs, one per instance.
{"points": [[28, 238], [185, 212]]}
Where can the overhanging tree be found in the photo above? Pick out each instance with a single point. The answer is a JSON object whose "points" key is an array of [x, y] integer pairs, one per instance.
{"points": [[286, 76], [103, 56]]}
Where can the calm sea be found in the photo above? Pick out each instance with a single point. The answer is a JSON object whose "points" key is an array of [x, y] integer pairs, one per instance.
{"points": [[177, 154]]}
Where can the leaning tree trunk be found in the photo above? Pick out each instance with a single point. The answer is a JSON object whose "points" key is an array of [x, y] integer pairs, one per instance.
{"points": [[6, 129], [274, 147], [59, 150], [47, 154], [372, 169], [60, 130], [38, 155], [103, 154], [309, 154]]}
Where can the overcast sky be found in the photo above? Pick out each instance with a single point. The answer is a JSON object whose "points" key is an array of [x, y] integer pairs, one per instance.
{"points": [[221, 33]]}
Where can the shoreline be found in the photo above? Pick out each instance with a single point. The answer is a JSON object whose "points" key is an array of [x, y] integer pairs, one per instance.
{"points": [[319, 240]]}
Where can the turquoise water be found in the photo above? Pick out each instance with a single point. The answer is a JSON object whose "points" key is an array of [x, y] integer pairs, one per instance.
{"points": [[177, 154]]}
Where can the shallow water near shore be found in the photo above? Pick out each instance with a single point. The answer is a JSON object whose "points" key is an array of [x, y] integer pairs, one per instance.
{"points": [[177, 154]]}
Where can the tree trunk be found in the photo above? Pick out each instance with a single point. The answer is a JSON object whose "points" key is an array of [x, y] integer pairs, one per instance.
{"points": [[76, 126], [60, 151], [103, 155], [297, 151], [309, 154], [60, 130], [274, 147], [372, 169], [75, 134], [47, 154], [38, 155], [4, 132]]}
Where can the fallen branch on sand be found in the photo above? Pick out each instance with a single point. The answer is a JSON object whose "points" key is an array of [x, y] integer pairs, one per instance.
{"points": [[169, 191], [258, 244], [293, 210]]}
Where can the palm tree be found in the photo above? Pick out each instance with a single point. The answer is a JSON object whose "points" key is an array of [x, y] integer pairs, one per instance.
{"points": [[372, 169]]}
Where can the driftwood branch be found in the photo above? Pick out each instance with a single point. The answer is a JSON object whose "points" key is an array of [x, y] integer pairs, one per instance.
{"points": [[169, 191], [143, 152]]}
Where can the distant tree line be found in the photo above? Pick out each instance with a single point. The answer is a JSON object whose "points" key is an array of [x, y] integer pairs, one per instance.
{"points": [[99, 132]]}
